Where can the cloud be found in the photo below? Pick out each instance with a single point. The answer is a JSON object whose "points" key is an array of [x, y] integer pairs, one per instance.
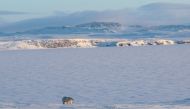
{"points": [[164, 13], [11, 13], [151, 14], [165, 6]]}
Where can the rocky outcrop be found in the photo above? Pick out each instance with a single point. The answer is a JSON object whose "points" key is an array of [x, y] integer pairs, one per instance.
{"points": [[183, 42], [132, 43], [164, 42], [67, 100], [85, 43]]}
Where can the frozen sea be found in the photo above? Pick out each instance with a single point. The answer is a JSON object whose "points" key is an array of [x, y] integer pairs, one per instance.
{"points": [[149, 77]]}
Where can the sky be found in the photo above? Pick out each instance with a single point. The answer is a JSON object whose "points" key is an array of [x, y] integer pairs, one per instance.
{"points": [[48, 6], [12, 10]]}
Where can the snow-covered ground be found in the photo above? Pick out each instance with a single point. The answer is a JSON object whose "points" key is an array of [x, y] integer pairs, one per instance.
{"points": [[147, 77]]}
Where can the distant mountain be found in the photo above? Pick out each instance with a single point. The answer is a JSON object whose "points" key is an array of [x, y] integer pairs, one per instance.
{"points": [[151, 14], [173, 28], [100, 25], [104, 30], [87, 28], [108, 29]]}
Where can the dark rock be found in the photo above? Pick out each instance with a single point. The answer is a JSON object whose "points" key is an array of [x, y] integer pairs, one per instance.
{"points": [[67, 100]]}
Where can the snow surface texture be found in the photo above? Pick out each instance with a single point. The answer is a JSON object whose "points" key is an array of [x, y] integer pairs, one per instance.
{"points": [[149, 77], [83, 43]]}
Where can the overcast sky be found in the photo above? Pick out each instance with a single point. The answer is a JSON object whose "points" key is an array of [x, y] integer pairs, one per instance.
{"points": [[12, 10], [47, 6]]}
